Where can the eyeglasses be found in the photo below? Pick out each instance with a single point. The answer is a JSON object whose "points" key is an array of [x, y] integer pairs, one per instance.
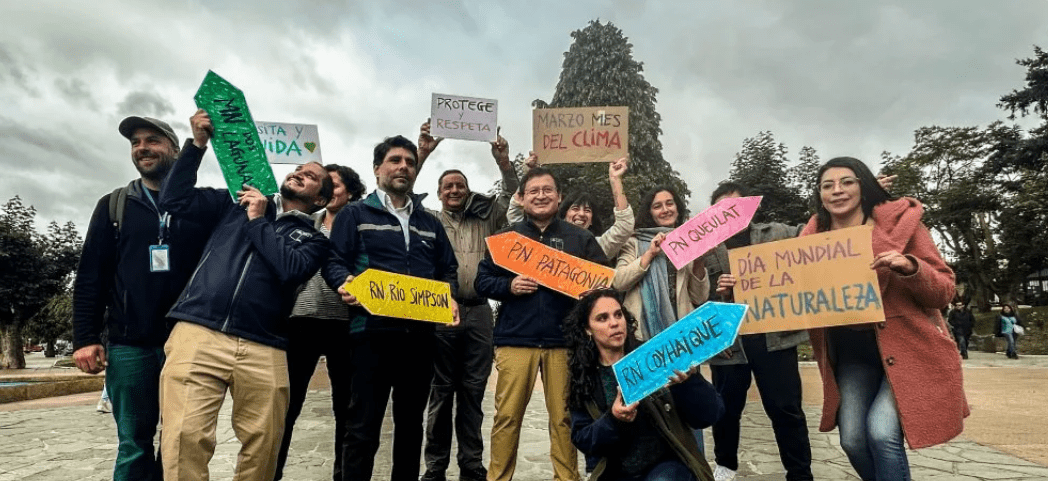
{"points": [[540, 190], [844, 182]]}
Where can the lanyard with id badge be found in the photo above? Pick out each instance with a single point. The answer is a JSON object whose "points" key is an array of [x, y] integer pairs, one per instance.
{"points": [[159, 254]]}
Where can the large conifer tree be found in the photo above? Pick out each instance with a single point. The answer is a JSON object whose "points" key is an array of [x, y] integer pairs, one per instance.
{"points": [[599, 70]]}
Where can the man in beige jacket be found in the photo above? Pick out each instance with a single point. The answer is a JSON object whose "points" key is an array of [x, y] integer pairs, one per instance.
{"points": [[464, 352]]}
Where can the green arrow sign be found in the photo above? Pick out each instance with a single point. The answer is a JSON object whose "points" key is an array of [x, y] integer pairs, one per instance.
{"points": [[235, 141]]}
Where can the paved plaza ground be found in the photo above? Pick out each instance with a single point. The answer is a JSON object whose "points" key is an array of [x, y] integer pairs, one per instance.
{"points": [[1005, 438]]}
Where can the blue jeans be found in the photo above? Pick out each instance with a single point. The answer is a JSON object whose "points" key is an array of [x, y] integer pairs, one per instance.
{"points": [[962, 343], [1010, 337], [870, 432], [133, 384]]}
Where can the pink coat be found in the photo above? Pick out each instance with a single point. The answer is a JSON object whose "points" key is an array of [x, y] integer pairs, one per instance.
{"points": [[919, 356]]}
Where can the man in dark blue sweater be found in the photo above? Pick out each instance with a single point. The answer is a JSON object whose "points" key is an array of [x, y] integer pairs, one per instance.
{"points": [[231, 320], [136, 260], [389, 231], [529, 335]]}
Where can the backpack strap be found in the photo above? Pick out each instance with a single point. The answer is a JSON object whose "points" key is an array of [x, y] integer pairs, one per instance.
{"points": [[117, 202]]}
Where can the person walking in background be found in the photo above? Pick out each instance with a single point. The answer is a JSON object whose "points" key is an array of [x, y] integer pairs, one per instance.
{"points": [[1007, 321], [903, 371], [961, 322]]}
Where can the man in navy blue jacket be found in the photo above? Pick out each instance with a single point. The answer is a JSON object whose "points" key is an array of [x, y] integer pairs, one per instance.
{"points": [[120, 287], [529, 334], [231, 320], [389, 231]]}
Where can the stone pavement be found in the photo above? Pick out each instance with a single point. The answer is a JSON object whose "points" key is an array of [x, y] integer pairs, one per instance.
{"points": [[65, 439]]}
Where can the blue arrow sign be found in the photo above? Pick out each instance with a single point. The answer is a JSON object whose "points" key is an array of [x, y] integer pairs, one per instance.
{"points": [[700, 335]]}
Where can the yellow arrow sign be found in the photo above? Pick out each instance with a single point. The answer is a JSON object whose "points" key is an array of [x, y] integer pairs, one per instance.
{"points": [[406, 297]]}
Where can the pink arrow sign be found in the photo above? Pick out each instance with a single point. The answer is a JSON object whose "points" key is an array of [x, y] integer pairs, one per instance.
{"points": [[709, 228]]}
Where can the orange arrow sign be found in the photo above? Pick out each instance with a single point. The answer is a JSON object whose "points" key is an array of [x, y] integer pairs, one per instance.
{"points": [[554, 269]]}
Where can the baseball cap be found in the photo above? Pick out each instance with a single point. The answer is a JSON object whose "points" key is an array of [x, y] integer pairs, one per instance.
{"points": [[129, 125]]}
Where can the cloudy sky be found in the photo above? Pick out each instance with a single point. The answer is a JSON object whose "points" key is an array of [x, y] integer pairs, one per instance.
{"points": [[846, 77]]}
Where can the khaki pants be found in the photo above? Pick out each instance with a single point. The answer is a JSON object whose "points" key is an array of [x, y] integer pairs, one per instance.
{"points": [[517, 367], [201, 365]]}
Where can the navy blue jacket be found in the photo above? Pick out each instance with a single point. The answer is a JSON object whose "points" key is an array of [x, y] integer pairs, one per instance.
{"points": [[536, 319], [246, 281], [114, 287], [366, 235]]}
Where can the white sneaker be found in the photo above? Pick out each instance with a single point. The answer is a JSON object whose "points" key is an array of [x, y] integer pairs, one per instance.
{"points": [[723, 474], [104, 406]]}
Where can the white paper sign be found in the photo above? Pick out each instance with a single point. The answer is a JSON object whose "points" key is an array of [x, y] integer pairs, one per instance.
{"points": [[290, 143], [465, 118]]}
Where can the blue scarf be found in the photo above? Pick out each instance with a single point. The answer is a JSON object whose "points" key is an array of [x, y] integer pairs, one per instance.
{"points": [[654, 287]]}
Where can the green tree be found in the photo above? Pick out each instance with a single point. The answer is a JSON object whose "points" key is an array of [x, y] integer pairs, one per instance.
{"points": [[801, 177], [762, 165], [1022, 160], [599, 70], [34, 268], [946, 171], [53, 322]]}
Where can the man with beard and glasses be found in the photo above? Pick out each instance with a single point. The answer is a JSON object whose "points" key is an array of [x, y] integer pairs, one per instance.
{"points": [[389, 231], [231, 328], [137, 258]]}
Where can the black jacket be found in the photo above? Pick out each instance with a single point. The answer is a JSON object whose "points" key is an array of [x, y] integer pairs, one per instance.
{"points": [[962, 321], [246, 281], [535, 320], [114, 287]]}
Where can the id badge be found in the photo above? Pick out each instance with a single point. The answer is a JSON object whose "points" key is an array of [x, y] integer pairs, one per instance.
{"points": [[159, 258]]}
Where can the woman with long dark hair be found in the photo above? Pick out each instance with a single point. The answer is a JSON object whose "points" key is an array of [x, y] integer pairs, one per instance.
{"points": [[899, 379], [656, 291], [649, 440]]}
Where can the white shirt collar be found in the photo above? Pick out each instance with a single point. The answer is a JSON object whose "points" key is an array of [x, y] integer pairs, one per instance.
{"points": [[387, 202]]}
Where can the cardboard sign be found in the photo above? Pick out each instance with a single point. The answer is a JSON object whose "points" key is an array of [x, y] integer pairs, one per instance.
{"points": [[814, 281], [235, 140], [700, 335], [585, 134], [708, 229], [550, 267], [406, 297], [465, 118], [290, 143]]}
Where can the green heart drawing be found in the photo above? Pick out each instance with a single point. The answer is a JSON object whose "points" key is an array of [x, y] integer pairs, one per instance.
{"points": [[310, 146]]}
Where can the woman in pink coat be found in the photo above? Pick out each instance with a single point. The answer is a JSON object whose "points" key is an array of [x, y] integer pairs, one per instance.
{"points": [[901, 378]]}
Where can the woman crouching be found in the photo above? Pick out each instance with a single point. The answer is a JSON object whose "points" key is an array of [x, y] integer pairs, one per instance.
{"points": [[648, 440]]}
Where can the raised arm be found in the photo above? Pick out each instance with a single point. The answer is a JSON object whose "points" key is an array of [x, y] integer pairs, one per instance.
{"points": [[426, 144], [178, 193]]}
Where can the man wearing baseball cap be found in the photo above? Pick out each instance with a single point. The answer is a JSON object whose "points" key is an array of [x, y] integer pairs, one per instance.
{"points": [[136, 260]]}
